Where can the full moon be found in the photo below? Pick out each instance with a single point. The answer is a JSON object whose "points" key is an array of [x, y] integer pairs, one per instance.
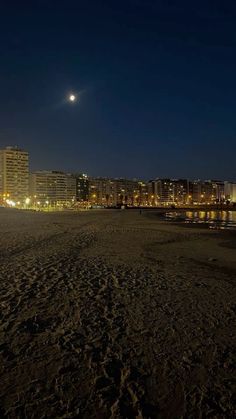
{"points": [[72, 98]]}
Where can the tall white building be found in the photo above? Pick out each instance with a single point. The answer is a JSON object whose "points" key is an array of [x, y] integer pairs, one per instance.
{"points": [[14, 174]]}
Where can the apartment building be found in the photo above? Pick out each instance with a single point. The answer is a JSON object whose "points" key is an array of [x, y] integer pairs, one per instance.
{"points": [[206, 192], [230, 191], [82, 187], [14, 174], [168, 192], [119, 191], [52, 187]]}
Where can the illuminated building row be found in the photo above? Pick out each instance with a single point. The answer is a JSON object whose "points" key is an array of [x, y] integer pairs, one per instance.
{"points": [[158, 192], [20, 188], [113, 192], [186, 192]]}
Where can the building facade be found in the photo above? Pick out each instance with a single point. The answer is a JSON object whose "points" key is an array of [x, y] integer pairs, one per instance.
{"points": [[168, 192], [206, 192], [102, 191], [230, 191], [14, 174], [117, 192], [52, 188], [82, 188]]}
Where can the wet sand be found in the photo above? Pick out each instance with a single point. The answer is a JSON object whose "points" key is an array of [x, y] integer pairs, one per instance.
{"points": [[113, 314]]}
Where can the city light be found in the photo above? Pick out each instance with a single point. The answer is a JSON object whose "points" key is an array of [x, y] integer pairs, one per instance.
{"points": [[10, 203], [50, 189]]}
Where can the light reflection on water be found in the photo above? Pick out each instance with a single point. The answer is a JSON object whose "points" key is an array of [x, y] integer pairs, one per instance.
{"points": [[214, 219]]}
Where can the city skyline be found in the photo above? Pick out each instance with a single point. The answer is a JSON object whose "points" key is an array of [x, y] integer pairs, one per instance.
{"points": [[155, 82], [23, 188]]}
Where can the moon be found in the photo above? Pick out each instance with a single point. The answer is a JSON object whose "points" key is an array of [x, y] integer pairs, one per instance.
{"points": [[72, 98]]}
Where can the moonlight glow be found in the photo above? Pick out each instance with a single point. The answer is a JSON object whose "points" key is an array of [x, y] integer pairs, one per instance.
{"points": [[72, 98]]}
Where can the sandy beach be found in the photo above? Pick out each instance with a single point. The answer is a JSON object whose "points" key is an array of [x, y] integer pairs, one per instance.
{"points": [[115, 314]]}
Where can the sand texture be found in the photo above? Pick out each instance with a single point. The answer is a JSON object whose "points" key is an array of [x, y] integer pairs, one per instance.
{"points": [[113, 314]]}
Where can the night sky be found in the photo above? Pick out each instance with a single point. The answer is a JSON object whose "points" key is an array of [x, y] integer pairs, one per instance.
{"points": [[156, 81]]}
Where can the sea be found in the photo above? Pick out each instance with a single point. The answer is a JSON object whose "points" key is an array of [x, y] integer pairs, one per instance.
{"points": [[221, 220]]}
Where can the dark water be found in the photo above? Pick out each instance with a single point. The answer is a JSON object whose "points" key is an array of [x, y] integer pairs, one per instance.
{"points": [[212, 219]]}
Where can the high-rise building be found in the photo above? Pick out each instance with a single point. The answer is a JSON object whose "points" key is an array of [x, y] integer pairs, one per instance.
{"points": [[152, 199], [82, 187], [14, 174], [169, 191], [230, 191], [70, 188], [127, 192], [206, 192], [113, 192], [102, 191], [52, 187]]}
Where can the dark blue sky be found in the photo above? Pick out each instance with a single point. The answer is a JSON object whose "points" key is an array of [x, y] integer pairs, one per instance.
{"points": [[158, 83]]}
